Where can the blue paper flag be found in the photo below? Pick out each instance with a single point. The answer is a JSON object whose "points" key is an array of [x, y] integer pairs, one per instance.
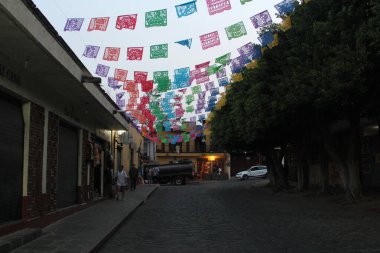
{"points": [[285, 7], [186, 42], [223, 81], [266, 38], [181, 78], [186, 9]]}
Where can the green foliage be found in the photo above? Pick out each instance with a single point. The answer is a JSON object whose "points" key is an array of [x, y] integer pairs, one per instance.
{"points": [[326, 68]]}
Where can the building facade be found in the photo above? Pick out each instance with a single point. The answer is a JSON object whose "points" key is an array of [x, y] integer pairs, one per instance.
{"points": [[58, 130]]}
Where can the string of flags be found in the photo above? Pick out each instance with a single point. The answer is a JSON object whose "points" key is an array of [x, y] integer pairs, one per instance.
{"points": [[157, 18], [166, 100]]}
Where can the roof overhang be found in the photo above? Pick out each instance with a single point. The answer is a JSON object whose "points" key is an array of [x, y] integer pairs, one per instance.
{"points": [[51, 74]]}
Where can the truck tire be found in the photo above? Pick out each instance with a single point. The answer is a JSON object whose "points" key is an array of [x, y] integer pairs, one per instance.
{"points": [[178, 180]]}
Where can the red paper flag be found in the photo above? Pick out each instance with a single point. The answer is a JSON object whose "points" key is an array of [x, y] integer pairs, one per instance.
{"points": [[134, 94], [98, 24], [210, 40], [202, 65], [140, 76], [120, 74], [135, 53], [147, 86], [130, 85], [126, 21], [111, 54]]}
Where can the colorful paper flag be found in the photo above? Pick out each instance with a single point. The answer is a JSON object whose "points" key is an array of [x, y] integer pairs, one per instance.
{"points": [[186, 42], [221, 73], [223, 81], [159, 51], [236, 30], [73, 24], [196, 89], [140, 76], [285, 7], [147, 86], [156, 18], [111, 54], [181, 77], [99, 24], [186, 9], [244, 1], [135, 53], [202, 65], [218, 6], [120, 74], [130, 85], [210, 40], [237, 64], [213, 69], [262, 19], [91, 51], [126, 22], [203, 77], [224, 59], [209, 85], [266, 38], [189, 99], [102, 70]]}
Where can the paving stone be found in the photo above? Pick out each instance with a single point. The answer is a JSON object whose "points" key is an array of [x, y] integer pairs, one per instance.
{"points": [[233, 216]]}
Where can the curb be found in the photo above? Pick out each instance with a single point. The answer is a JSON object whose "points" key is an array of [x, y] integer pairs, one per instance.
{"points": [[100, 244]]}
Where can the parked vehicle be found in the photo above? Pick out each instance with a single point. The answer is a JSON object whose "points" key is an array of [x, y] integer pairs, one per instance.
{"points": [[254, 171], [175, 173]]}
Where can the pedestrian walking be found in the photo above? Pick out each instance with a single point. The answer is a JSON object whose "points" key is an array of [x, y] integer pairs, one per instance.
{"points": [[121, 183], [133, 174]]}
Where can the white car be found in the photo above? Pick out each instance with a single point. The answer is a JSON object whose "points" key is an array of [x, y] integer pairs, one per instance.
{"points": [[254, 171]]}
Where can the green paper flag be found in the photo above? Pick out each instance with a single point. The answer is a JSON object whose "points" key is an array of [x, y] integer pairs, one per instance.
{"points": [[159, 51], [213, 69], [245, 1], [156, 18], [160, 76], [196, 89], [190, 108], [189, 99], [236, 30], [164, 86], [224, 59]]}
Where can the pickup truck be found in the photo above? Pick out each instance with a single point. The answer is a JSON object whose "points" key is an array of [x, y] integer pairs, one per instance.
{"points": [[175, 173]]}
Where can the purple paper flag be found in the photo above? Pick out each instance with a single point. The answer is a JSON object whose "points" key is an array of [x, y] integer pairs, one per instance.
{"points": [[221, 73], [73, 24], [91, 51], [262, 19], [102, 70]]}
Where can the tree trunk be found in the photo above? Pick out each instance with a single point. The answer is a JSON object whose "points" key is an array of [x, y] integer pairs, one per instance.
{"points": [[349, 162], [353, 190], [302, 167], [324, 171], [279, 175]]}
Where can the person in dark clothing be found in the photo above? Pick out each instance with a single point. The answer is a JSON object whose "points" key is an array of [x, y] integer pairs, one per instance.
{"points": [[133, 174]]}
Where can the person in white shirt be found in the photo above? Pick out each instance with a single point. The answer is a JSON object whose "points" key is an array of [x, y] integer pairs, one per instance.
{"points": [[121, 182]]}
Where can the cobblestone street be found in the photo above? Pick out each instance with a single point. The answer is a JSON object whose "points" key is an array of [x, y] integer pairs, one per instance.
{"points": [[233, 216]]}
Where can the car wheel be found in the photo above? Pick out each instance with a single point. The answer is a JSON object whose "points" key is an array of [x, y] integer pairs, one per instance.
{"points": [[245, 177], [265, 175], [178, 181]]}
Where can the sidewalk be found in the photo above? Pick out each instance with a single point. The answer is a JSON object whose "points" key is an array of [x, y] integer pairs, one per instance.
{"points": [[88, 229]]}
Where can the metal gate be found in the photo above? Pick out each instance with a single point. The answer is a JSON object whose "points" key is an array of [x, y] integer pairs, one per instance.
{"points": [[67, 166], [11, 158]]}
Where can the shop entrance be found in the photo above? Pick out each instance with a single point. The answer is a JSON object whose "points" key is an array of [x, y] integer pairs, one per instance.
{"points": [[11, 158]]}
